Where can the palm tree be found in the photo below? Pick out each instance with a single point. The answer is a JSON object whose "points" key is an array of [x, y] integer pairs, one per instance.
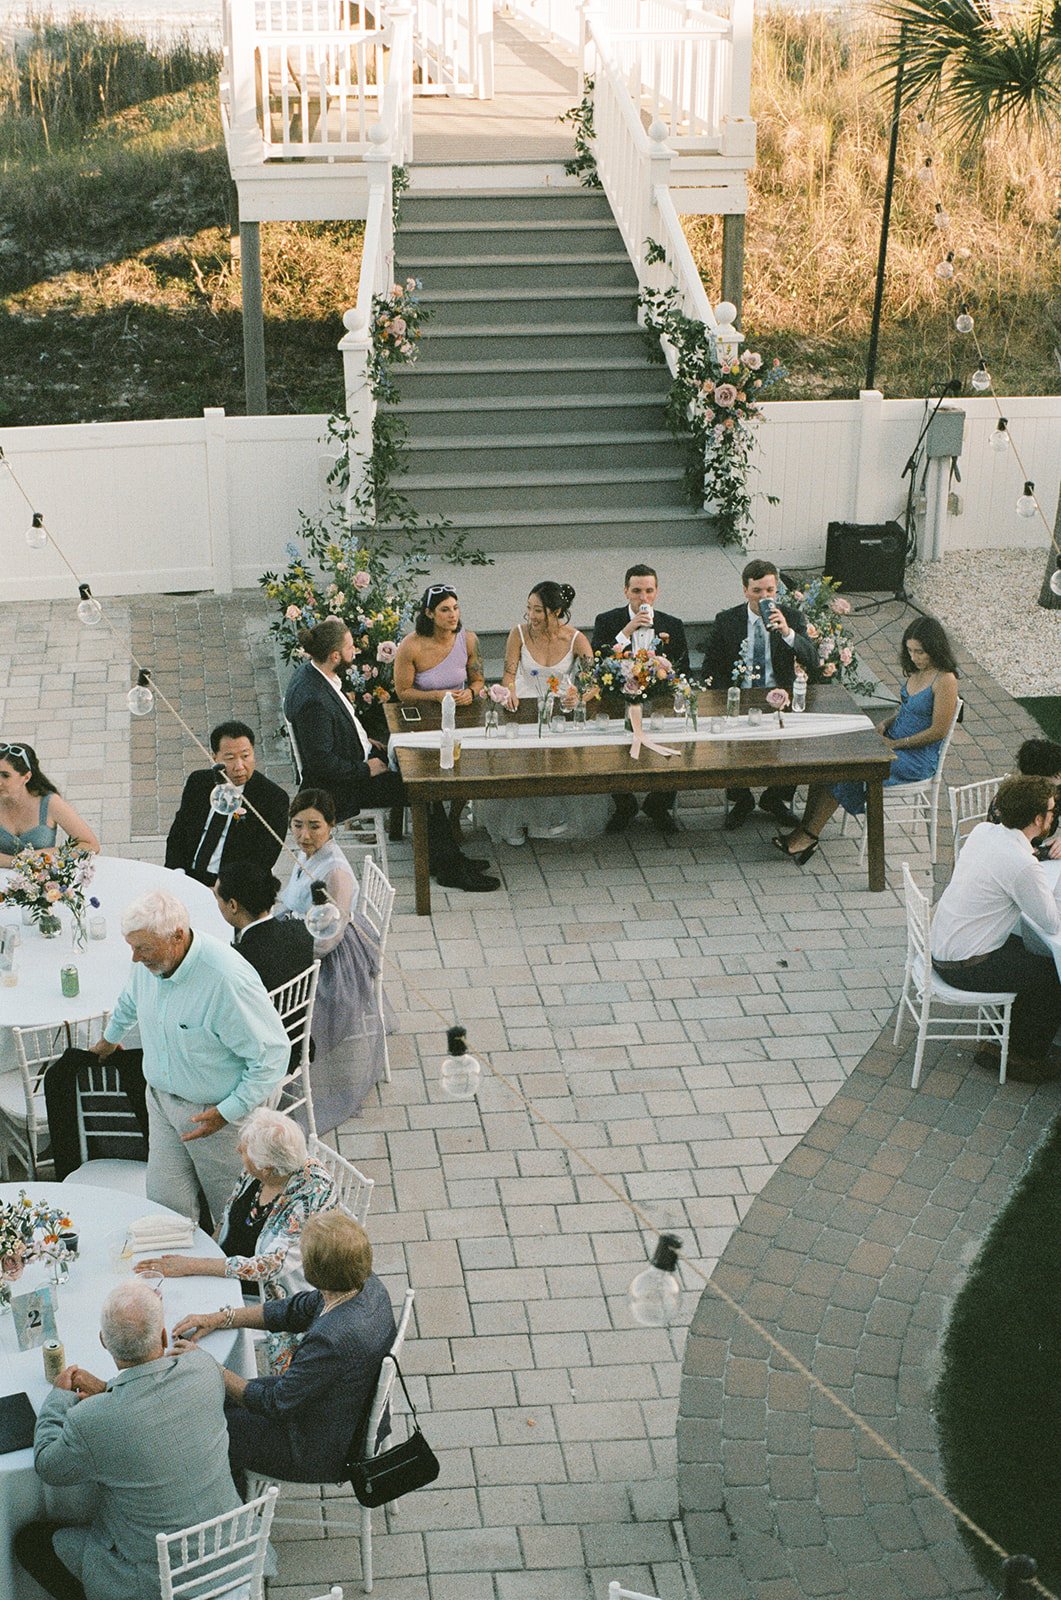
{"points": [[978, 65]]}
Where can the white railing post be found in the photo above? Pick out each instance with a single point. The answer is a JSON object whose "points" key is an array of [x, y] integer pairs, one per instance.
{"points": [[245, 133], [482, 45], [379, 162], [590, 12], [738, 128], [399, 93], [659, 166], [356, 348]]}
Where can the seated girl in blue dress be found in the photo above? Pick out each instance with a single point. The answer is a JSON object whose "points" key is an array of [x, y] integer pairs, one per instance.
{"points": [[916, 733]]}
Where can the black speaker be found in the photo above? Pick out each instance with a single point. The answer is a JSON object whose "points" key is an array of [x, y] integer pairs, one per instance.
{"points": [[866, 557]]}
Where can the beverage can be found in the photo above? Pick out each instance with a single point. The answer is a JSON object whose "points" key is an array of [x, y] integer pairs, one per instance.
{"points": [[54, 1359], [71, 985], [733, 702]]}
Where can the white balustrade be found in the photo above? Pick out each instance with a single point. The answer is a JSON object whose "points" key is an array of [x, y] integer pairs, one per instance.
{"points": [[453, 47]]}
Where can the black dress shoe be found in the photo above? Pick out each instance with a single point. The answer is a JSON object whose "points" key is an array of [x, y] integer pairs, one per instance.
{"points": [[662, 821], [475, 863], [737, 815], [463, 876], [775, 807], [621, 818]]}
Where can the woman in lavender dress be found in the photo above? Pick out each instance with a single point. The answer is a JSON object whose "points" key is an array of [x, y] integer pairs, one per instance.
{"points": [[440, 657]]}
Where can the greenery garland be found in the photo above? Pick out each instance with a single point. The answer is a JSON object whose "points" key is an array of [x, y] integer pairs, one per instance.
{"points": [[714, 402], [583, 164]]}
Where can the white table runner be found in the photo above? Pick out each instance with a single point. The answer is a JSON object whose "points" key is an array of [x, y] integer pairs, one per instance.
{"points": [[797, 725]]}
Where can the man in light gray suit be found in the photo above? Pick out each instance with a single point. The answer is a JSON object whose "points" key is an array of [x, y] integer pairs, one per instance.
{"points": [[153, 1444]]}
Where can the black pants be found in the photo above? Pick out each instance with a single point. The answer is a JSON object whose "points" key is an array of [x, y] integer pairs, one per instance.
{"points": [[386, 789], [784, 793], [653, 805], [1037, 1010], [34, 1551]]}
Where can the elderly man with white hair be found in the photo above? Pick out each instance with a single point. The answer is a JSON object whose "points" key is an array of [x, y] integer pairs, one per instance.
{"points": [[151, 1443], [214, 1048]]}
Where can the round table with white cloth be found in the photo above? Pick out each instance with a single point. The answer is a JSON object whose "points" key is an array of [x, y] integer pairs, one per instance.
{"points": [[101, 1218], [103, 964]]}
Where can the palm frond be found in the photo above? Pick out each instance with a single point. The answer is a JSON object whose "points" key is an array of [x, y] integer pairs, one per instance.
{"points": [[975, 68]]}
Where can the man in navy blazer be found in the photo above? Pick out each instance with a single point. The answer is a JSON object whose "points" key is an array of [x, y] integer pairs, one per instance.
{"points": [[335, 753], [744, 650], [201, 840], [634, 626]]}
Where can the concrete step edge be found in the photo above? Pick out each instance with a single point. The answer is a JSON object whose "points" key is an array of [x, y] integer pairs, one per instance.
{"points": [[564, 516], [603, 364], [542, 441], [474, 296], [516, 225], [534, 480], [594, 258], [543, 330]]}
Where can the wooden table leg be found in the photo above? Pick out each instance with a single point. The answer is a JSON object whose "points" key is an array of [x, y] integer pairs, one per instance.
{"points": [[421, 866], [875, 833]]}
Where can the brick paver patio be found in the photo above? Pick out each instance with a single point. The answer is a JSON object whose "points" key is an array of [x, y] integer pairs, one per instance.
{"points": [[682, 1009]]}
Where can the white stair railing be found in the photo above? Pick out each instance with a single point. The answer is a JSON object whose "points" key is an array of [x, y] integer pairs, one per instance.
{"points": [[453, 47]]}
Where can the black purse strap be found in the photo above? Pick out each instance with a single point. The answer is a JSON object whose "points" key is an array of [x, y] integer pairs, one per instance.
{"points": [[405, 1391]]}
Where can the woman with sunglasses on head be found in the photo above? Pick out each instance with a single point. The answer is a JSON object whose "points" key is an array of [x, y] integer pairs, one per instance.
{"points": [[31, 808], [440, 656]]}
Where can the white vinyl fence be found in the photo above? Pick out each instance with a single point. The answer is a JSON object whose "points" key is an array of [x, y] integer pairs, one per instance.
{"points": [[211, 502]]}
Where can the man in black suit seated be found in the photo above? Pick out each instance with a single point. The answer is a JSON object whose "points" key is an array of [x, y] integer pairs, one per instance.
{"points": [[630, 627], [200, 840], [743, 650], [335, 753], [277, 948]]}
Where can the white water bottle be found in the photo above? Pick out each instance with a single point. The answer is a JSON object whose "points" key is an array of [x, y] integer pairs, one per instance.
{"points": [[799, 693], [449, 713], [445, 750]]}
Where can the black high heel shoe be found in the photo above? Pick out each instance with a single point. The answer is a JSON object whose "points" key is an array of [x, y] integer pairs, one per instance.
{"points": [[800, 857]]}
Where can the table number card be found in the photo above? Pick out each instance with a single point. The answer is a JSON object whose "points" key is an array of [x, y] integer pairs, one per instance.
{"points": [[34, 1318]]}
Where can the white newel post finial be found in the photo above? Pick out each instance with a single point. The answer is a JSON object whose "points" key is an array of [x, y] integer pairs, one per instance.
{"points": [[355, 347], [727, 338]]}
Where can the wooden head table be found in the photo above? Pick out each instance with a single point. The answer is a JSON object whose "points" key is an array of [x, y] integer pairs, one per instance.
{"points": [[501, 770]]}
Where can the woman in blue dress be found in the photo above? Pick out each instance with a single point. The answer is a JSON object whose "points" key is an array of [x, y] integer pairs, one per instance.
{"points": [[916, 733], [31, 809]]}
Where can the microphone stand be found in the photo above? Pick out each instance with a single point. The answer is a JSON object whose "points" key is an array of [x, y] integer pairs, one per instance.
{"points": [[947, 388]]}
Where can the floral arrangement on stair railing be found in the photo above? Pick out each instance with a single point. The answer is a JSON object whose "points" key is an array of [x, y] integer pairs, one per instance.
{"points": [[364, 558], [713, 401]]}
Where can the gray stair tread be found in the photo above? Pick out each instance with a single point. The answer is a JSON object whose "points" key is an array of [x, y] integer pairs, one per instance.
{"points": [[530, 480], [583, 259], [561, 515], [460, 405], [516, 225], [470, 296], [520, 330], [603, 364], [543, 441]]}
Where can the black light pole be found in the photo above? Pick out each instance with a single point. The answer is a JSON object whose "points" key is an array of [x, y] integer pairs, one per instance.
{"points": [[889, 185]]}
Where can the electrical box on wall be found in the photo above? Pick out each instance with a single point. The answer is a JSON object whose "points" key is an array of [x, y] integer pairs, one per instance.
{"points": [[946, 432]]}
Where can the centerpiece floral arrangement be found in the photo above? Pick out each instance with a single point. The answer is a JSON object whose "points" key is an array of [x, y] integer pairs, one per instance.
{"points": [[637, 675], [824, 609], [30, 1230], [45, 880]]}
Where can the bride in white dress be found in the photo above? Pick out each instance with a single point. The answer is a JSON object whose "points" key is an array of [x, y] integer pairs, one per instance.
{"points": [[543, 646]]}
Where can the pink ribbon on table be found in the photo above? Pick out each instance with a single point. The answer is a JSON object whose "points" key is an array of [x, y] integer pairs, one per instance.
{"points": [[637, 723]]}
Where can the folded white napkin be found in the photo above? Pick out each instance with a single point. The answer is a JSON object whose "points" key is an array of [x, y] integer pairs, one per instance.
{"points": [[160, 1233]]}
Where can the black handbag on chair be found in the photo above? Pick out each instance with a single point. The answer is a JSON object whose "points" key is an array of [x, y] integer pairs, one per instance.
{"points": [[407, 1466]]}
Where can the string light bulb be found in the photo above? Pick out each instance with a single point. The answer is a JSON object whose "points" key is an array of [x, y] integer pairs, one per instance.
{"points": [[225, 798], [945, 268], [141, 699], [37, 533], [925, 173], [963, 322], [1000, 438], [1027, 505], [655, 1293], [941, 220], [89, 611], [323, 917], [924, 127], [1055, 581], [981, 379], [460, 1071]]}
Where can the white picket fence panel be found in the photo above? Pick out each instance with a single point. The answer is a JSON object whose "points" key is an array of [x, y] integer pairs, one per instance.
{"points": [[210, 502]]}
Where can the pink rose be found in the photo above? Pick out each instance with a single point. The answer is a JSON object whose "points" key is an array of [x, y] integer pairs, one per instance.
{"points": [[829, 668], [778, 698], [499, 694], [396, 291], [752, 360], [362, 580], [386, 650], [398, 326], [797, 594], [846, 656], [410, 285], [725, 394], [841, 606], [293, 613], [812, 632]]}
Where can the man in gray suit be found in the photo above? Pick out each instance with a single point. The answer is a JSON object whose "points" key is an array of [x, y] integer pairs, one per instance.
{"points": [[152, 1442]]}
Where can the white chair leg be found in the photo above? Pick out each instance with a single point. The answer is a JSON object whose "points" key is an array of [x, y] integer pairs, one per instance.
{"points": [[932, 830], [1007, 1013], [366, 1549], [902, 1007], [383, 1028], [922, 1034], [381, 843]]}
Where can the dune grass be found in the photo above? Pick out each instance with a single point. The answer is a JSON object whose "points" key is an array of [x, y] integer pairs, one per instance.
{"points": [[814, 221], [119, 297], [998, 1402]]}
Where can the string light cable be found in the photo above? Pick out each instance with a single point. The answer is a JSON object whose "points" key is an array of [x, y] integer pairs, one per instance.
{"points": [[669, 1251]]}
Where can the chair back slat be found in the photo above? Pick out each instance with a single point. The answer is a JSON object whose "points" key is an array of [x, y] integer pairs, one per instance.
{"points": [[35, 1050], [294, 1001], [224, 1557], [354, 1190], [387, 1372], [375, 900], [918, 919], [969, 805], [106, 1125]]}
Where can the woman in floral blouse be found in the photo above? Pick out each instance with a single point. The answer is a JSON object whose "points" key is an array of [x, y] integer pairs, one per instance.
{"points": [[261, 1227]]}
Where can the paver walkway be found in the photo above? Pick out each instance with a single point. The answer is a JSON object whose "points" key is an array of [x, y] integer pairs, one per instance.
{"points": [[681, 1008]]}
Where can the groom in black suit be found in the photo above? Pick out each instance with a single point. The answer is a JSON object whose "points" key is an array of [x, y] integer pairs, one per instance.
{"points": [[744, 650], [633, 626], [200, 841]]}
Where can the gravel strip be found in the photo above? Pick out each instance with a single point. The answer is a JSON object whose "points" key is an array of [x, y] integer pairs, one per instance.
{"points": [[988, 600]]}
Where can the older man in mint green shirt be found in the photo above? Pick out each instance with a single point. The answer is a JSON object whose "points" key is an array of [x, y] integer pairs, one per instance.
{"points": [[214, 1048]]}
